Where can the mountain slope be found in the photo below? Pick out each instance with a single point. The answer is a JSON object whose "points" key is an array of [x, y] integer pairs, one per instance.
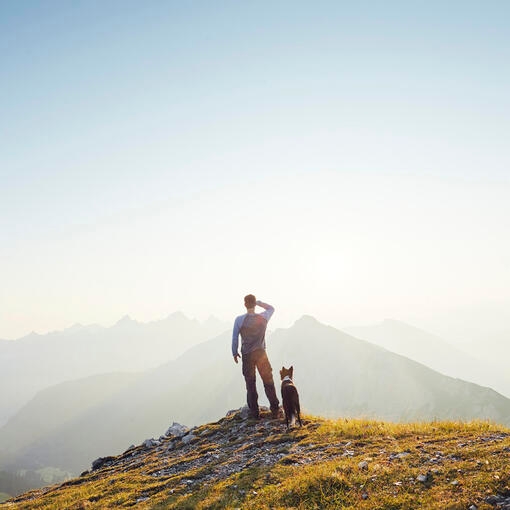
{"points": [[433, 351], [351, 464], [337, 375], [342, 375], [35, 362]]}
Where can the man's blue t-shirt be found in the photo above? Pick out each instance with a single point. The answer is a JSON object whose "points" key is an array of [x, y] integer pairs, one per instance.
{"points": [[252, 328]]}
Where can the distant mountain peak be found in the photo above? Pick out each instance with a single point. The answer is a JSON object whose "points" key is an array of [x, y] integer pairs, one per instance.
{"points": [[177, 315], [306, 320], [74, 327], [125, 320]]}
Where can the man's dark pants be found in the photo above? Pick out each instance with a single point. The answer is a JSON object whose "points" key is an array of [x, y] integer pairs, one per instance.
{"points": [[258, 359]]}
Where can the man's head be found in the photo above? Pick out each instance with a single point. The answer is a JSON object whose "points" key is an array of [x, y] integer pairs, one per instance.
{"points": [[250, 301]]}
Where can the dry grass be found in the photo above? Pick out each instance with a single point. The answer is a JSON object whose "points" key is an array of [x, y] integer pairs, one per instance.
{"points": [[318, 467]]}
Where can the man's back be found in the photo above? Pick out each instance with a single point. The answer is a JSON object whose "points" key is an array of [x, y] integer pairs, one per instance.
{"points": [[252, 328], [253, 333]]}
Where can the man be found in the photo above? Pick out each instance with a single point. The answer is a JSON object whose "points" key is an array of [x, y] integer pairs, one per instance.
{"points": [[252, 328]]}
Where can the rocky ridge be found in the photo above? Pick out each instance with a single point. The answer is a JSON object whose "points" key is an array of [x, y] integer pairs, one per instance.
{"points": [[242, 463]]}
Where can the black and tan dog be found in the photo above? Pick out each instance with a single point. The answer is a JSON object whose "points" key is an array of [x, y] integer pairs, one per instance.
{"points": [[290, 397]]}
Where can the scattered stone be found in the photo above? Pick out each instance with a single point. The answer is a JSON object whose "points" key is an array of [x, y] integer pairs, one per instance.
{"points": [[500, 501], [150, 443], [424, 478], [142, 499], [245, 412], [454, 482], [363, 465], [177, 430], [101, 461], [401, 455], [188, 438], [132, 447], [473, 507], [364, 496]]}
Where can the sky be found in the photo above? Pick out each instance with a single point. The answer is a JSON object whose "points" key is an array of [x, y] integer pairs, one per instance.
{"points": [[348, 160]]}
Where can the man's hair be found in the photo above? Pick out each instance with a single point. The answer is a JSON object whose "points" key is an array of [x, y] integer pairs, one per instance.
{"points": [[250, 301]]}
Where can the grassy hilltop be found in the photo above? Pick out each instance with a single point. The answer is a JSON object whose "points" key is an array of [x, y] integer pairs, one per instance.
{"points": [[346, 463]]}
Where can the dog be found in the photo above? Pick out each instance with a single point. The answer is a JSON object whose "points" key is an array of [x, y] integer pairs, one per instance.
{"points": [[290, 397]]}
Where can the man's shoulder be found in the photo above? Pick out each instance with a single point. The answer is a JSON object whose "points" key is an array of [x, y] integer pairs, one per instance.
{"points": [[259, 318], [239, 318]]}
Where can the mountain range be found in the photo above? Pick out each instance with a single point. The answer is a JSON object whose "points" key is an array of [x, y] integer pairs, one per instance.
{"points": [[35, 362], [337, 375]]}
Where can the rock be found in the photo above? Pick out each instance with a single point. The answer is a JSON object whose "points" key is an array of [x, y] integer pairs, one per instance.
{"points": [[177, 430], [424, 478], [150, 443], [142, 499], [454, 482], [188, 438], [245, 412], [364, 496], [473, 507], [132, 447], [363, 465], [100, 462], [402, 455]]}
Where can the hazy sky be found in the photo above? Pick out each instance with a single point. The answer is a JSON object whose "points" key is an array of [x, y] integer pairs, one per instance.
{"points": [[350, 160]]}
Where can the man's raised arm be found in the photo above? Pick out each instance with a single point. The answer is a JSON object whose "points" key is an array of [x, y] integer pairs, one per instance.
{"points": [[269, 310]]}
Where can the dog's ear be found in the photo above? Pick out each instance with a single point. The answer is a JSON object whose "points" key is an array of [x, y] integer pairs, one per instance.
{"points": [[291, 370]]}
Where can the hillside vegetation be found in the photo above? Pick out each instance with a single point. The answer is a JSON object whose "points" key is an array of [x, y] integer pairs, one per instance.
{"points": [[346, 463]]}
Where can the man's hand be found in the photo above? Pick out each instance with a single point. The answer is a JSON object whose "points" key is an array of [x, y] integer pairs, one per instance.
{"points": [[236, 357]]}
